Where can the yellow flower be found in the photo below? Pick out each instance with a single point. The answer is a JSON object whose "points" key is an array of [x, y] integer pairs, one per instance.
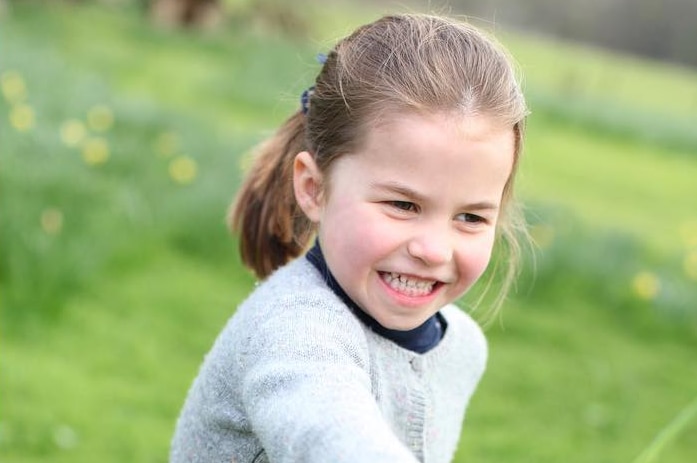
{"points": [[52, 221], [100, 118], [73, 132], [690, 265], [167, 144], [22, 117], [13, 87], [95, 151], [183, 170], [646, 285]]}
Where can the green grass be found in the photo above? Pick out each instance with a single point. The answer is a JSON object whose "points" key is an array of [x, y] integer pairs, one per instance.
{"points": [[570, 384], [576, 71], [610, 92], [106, 314], [668, 434], [108, 379], [613, 182]]}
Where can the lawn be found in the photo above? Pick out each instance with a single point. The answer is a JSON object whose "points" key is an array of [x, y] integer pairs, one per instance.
{"points": [[122, 144]]}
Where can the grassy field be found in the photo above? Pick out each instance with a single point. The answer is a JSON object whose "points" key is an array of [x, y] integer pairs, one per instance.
{"points": [[121, 146]]}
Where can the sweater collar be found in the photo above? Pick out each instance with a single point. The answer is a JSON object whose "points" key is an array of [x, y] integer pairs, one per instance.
{"points": [[420, 339]]}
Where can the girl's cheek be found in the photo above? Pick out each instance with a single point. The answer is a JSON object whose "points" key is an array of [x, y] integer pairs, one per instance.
{"points": [[478, 258]]}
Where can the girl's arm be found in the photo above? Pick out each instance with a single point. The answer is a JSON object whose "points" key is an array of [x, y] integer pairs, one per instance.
{"points": [[307, 391]]}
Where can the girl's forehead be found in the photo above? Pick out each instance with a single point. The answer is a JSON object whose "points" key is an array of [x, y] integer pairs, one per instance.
{"points": [[432, 147], [411, 127], [466, 123]]}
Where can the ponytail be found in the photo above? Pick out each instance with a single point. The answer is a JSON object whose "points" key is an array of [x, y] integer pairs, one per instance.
{"points": [[272, 228]]}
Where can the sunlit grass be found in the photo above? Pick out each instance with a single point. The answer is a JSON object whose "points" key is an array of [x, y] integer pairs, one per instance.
{"points": [[564, 383], [108, 379], [117, 270], [612, 182], [581, 71], [668, 434]]}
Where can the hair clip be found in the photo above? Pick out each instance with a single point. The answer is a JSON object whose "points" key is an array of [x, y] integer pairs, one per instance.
{"points": [[307, 94], [305, 99]]}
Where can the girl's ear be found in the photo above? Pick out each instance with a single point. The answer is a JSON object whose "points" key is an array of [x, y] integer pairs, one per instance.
{"points": [[307, 185]]}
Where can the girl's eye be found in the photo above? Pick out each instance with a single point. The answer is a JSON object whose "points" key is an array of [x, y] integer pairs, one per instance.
{"points": [[470, 218], [404, 206]]}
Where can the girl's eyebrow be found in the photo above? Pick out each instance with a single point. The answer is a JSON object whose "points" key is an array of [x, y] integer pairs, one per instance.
{"points": [[399, 188], [403, 190]]}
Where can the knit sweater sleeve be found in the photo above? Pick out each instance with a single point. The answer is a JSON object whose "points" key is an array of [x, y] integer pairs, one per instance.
{"points": [[306, 388]]}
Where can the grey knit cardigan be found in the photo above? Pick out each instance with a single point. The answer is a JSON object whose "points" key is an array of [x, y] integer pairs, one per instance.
{"points": [[296, 377]]}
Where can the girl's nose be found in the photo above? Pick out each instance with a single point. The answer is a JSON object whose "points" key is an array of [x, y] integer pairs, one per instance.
{"points": [[431, 248]]}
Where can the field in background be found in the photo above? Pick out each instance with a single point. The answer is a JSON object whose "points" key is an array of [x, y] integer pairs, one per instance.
{"points": [[121, 146]]}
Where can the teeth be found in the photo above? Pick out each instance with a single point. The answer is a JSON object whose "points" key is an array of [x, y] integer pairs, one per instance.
{"points": [[408, 286]]}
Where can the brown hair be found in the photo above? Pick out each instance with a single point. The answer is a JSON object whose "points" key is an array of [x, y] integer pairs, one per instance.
{"points": [[405, 62]]}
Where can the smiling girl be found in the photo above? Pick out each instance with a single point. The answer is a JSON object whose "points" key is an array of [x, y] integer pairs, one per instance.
{"points": [[397, 174]]}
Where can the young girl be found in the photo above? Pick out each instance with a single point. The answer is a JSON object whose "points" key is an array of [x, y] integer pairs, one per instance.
{"points": [[399, 167]]}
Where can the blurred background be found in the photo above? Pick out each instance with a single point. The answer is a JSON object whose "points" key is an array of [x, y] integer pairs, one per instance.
{"points": [[124, 129]]}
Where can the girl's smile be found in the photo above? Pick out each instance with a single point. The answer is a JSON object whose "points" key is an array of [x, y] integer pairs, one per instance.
{"points": [[407, 223], [408, 285]]}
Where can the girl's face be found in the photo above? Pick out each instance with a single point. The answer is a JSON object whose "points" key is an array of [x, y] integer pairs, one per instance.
{"points": [[407, 224]]}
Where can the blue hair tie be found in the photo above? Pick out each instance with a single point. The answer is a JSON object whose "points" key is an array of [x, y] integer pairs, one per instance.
{"points": [[305, 99], [307, 94]]}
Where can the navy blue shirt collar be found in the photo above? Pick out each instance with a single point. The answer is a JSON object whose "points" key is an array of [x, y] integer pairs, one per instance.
{"points": [[420, 339]]}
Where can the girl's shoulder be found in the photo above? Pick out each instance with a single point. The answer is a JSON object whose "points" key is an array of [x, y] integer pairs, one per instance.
{"points": [[295, 310], [460, 320], [297, 288], [464, 335]]}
